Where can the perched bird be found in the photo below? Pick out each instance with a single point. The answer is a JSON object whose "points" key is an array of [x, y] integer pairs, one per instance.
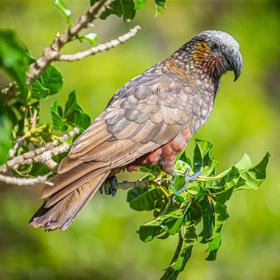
{"points": [[148, 121]]}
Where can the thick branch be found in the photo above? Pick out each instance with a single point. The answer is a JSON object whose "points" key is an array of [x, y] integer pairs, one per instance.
{"points": [[52, 52], [100, 48]]}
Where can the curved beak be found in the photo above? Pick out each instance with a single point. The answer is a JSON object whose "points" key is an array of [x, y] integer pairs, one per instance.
{"points": [[236, 64]]}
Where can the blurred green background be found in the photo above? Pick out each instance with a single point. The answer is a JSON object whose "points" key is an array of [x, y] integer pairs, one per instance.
{"points": [[102, 243]]}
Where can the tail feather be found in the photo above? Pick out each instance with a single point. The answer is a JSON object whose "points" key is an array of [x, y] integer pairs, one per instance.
{"points": [[63, 180], [62, 193], [60, 213]]}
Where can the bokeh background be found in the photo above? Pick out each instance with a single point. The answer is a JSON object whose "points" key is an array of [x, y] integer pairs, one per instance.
{"points": [[102, 243]]}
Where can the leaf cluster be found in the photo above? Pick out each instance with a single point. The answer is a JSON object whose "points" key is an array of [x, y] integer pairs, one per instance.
{"points": [[20, 107], [198, 214], [127, 8]]}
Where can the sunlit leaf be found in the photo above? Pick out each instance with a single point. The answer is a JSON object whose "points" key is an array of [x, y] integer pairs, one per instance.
{"points": [[57, 117], [14, 58], [213, 247], [91, 38], [74, 114], [202, 158], [139, 4], [143, 199], [160, 6], [50, 82], [120, 8], [255, 176], [5, 138], [61, 6]]}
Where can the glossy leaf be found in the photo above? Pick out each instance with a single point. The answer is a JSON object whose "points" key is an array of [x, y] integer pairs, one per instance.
{"points": [[60, 5], [213, 247], [139, 4], [91, 38], [57, 117], [143, 199], [14, 58], [5, 138], [160, 6], [74, 114], [50, 82], [120, 8]]}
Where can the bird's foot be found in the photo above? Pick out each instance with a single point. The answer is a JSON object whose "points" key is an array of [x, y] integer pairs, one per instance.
{"points": [[188, 179], [110, 186]]}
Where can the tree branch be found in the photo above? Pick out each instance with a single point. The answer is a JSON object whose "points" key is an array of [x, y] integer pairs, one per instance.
{"points": [[25, 181], [100, 48], [125, 185], [43, 154], [52, 52]]}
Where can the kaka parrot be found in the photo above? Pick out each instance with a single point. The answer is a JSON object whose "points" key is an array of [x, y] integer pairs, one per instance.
{"points": [[148, 121]]}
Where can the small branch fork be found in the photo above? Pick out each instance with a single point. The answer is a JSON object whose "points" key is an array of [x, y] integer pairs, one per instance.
{"points": [[42, 155], [52, 52], [100, 48]]}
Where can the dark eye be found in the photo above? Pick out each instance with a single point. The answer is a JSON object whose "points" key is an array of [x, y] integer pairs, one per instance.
{"points": [[215, 47]]}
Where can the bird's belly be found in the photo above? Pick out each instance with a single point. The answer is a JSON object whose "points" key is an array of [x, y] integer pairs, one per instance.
{"points": [[165, 155]]}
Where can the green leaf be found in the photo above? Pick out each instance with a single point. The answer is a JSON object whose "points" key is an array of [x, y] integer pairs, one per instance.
{"points": [[39, 91], [208, 218], [255, 176], [244, 164], [51, 79], [60, 5], [143, 199], [202, 158], [213, 247], [148, 232], [14, 58], [182, 254], [120, 8], [221, 215], [50, 82], [91, 38], [139, 4], [57, 117], [74, 114], [181, 167], [5, 138], [160, 6]]}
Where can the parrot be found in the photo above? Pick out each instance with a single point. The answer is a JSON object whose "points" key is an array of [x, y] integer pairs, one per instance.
{"points": [[148, 121]]}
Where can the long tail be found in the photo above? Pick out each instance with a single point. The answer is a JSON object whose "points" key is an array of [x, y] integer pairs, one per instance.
{"points": [[72, 190]]}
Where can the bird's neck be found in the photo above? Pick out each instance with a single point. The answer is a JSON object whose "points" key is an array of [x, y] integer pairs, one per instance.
{"points": [[196, 75], [201, 64]]}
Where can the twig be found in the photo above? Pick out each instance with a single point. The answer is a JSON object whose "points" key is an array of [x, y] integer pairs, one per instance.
{"points": [[10, 90], [52, 52], [25, 181], [43, 154], [125, 185], [100, 48]]}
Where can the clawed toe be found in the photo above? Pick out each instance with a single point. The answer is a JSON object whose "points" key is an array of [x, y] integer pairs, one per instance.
{"points": [[110, 186]]}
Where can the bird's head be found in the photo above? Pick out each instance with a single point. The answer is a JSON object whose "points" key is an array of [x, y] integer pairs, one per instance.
{"points": [[214, 53]]}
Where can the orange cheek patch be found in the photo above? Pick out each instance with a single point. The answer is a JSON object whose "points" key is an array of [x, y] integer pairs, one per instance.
{"points": [[201, 50]]}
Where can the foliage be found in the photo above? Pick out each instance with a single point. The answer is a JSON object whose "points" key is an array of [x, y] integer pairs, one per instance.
{"points": [[21, 112], [201, 206], [127, 8]]}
